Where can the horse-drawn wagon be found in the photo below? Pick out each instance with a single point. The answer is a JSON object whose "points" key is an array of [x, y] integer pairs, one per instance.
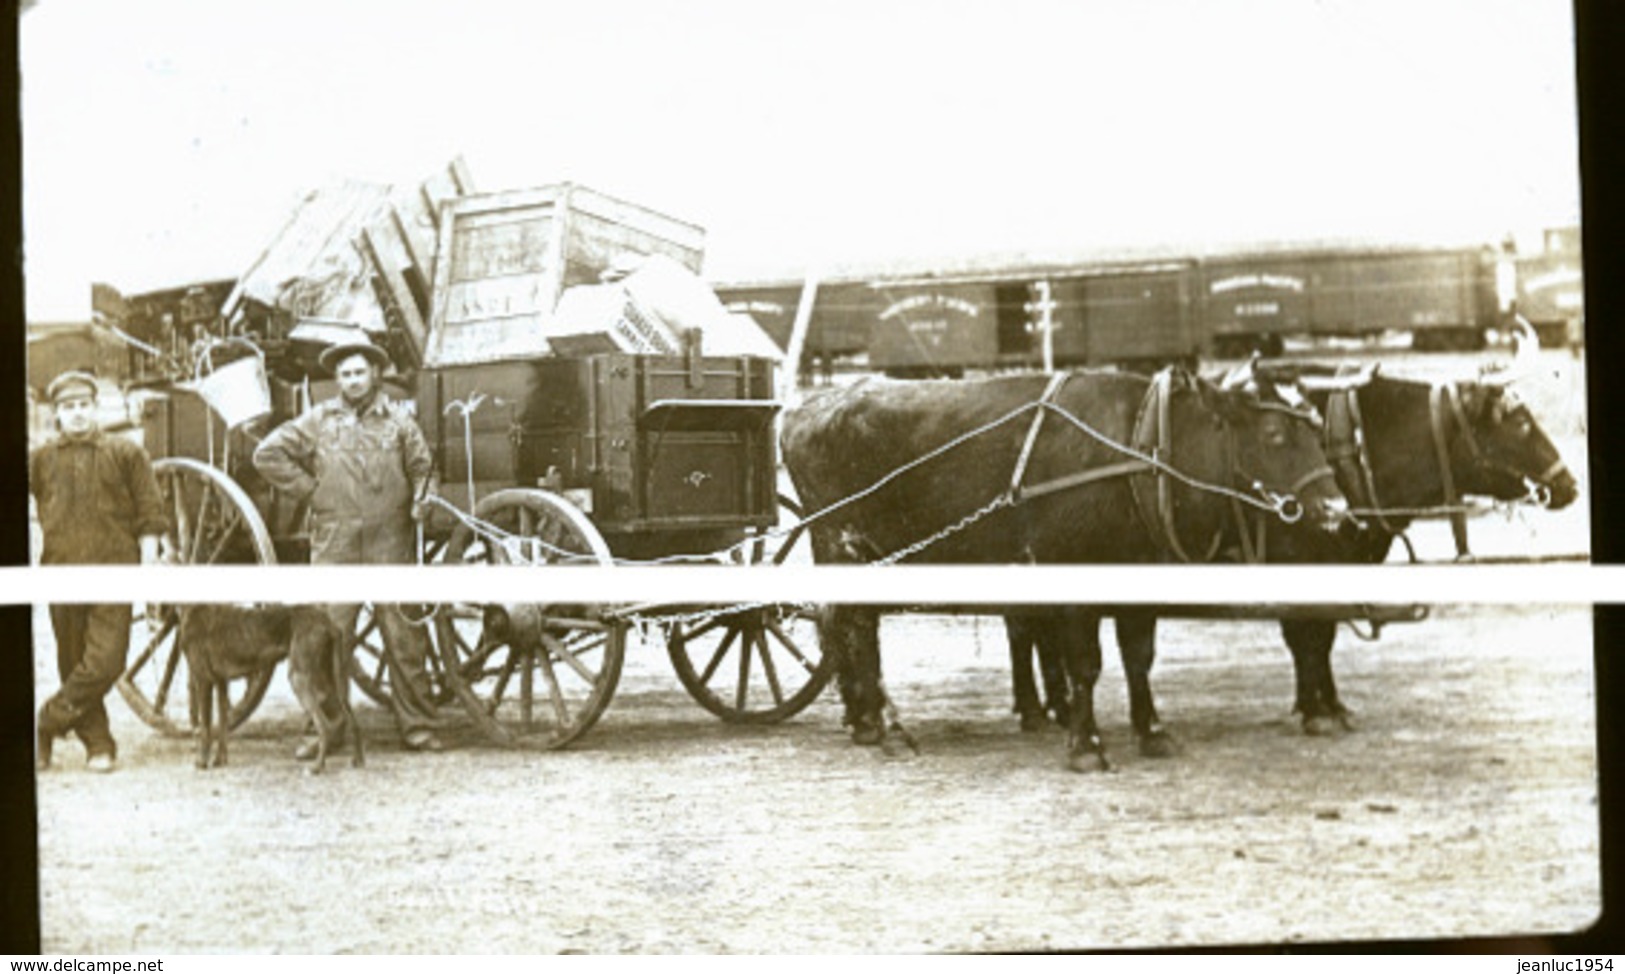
{"points": [[619, 452]]}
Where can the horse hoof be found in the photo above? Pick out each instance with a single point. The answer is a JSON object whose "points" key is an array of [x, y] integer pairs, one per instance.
{"points": [[1321, 726], [1158, 745], [1032, 723], [868, 736], [1088, 762]]}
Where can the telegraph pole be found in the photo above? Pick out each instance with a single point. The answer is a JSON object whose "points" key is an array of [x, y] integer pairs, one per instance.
{"points": [[1043, 307]]}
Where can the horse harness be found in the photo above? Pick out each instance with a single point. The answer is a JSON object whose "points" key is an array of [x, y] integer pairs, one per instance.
{"points": [[1149, 482], [1347, 450]]}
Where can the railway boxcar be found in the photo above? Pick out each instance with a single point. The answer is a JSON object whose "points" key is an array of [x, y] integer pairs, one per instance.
{"points": [[931, 328], [1134, 315], [1551, 288], [1444, 298], [841, 318], [1158, 308]]}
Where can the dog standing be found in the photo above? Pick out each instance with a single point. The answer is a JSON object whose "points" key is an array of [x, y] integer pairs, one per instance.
{"points": [[225, 642]]}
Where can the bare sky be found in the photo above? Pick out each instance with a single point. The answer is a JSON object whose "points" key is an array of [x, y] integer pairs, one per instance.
{"points": [[165, 141]]}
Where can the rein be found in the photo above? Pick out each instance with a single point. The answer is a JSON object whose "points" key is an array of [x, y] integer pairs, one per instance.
{"points": [[1152, 444]]}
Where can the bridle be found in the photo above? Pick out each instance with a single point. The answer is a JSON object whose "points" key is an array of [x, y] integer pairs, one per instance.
{"points": [[1347, 449], [1153, 433], [1444, 405]]}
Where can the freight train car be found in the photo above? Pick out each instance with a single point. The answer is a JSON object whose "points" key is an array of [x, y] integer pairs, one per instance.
{"points": [[1148, 312], [1444, 298], [1551, 288], [1137, 314]]}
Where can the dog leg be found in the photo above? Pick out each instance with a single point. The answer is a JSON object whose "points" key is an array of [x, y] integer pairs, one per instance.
{"points": [[299, 677], [339, 655]]}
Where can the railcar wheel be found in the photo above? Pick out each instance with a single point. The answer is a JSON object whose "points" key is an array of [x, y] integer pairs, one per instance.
{"points": [[758, 665], [530, 675], [212, 522]]}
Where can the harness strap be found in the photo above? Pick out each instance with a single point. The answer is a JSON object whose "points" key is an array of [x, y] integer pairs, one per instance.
{"points": [[1153, 435], [1056, 381], [1058, 484], [1442, 397]]}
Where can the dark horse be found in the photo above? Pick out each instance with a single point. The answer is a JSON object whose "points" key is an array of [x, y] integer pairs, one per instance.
{"points": [[1401, 447], [1404, 446], [1082, 468]]}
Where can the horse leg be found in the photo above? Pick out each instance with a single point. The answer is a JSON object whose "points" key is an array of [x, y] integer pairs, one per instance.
{"points": [[1137, 645], [1052, 665], [203, 714], [852, 635], [1078, 635], [1019, 632], [1311, 643]]}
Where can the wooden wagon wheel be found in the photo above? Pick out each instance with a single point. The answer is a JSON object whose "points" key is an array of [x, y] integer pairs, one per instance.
{"points": [[369, 668], [212, 522], [758, 665], [531, 675]]}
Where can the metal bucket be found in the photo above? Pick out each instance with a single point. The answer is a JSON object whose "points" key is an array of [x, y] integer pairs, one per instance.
{"points": [[237, 391]]}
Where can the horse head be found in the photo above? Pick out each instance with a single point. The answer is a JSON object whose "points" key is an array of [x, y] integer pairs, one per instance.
{"points": [[1503, 452], [1277, 450]]}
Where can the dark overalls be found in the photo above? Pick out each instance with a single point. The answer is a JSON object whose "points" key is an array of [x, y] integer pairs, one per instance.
{"points": [[361, 473], [96, 497]]}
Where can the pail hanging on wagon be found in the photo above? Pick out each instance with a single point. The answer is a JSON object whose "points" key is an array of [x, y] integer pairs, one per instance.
{"points": [[238, 390]]}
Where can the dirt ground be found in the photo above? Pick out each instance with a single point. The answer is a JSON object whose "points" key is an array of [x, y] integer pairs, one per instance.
{"points": [[1465, 804]]}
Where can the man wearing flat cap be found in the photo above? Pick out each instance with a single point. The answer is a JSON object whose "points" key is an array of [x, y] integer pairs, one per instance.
{"points": [[98, 504], [363, 466]]}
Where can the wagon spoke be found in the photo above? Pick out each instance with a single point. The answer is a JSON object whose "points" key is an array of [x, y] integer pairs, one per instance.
{"points": [[706, 627], [744, 669], [220, 545], [472, 666], [205, 494], [526, 531], [503, 676], [570, 656], [768, 669], [788, 544], [161, 696], [527, 690], [561, 711], [551, 536], [790, 645], [716, 658], [152, 644], [183, 522]]}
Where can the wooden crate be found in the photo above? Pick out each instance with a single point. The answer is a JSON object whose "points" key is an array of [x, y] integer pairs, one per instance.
{"points": [[505, 258]]}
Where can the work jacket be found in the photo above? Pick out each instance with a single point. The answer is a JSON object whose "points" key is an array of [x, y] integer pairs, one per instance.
{"points": [[361, 473], [96, 497]]}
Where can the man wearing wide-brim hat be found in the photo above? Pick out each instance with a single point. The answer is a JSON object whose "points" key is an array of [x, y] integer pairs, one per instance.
{"points": [[364, 468], [98, 504]]}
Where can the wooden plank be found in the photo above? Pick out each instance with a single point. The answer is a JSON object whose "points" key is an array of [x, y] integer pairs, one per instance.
{"points": [[416, 254], [404, 301]]}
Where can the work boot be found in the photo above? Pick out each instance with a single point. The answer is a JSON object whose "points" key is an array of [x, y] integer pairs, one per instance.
{"points": [[307, 751], [424, 741]]}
